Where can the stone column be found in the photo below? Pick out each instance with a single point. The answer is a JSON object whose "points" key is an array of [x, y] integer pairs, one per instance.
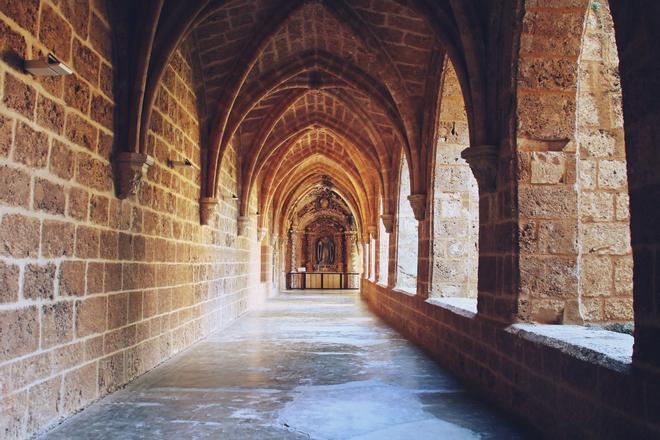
{"points": [[344, 256], [293, 237], [305, 249]]}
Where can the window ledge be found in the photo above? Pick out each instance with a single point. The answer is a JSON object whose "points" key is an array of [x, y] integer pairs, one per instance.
{"points": [[405, 291], [463, 306], [604, 347]]}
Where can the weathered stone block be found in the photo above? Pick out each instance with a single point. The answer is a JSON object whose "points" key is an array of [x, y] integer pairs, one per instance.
{"points": [[95, 273], [596, 206], [548, 167], [91, 316], [549, 201], [544, 116], [13, 415], [605, 238], [67, 356], [39, 281], [49, 197], [56, 324], [87, 242], [55, 33], [19, 96], [111, 373], [44, 399], [619, 309], [19, 332], [85, 61], [117, 310], [6, 129], [77, 93], [112, 278], [596, 275], [79, 388], [62, 160], [78, 203], [30, 146], [57, 239], [93, 173], [72, 278], [8, 282], [558, 237], [81, 132], [16, 187], [547, 74], [612, 174]]}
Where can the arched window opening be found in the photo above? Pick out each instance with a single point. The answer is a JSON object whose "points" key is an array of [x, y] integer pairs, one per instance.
{"points": [[575, 262], [455, 222], [372, 257], [383, 251], [407, 236], [605, 255]]}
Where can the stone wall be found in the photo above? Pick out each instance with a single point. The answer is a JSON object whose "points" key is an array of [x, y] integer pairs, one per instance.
{"points": [[95, 291], [562, 392]]}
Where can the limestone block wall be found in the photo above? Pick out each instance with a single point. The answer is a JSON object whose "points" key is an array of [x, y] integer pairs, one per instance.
{"points": [[95, 291]]}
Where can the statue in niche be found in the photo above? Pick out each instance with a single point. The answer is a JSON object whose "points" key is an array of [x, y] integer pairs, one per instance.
{"points": [[325, 251]]}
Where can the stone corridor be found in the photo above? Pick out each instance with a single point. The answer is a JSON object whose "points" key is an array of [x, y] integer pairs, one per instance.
{"points": [[307, 365], [485, 172]]}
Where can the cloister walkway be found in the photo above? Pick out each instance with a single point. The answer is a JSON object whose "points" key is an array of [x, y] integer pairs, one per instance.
{"points": [[306, 365]]}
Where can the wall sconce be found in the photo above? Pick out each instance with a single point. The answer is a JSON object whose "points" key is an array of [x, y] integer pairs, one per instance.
{"points": [[178, 163], [51, 66]]}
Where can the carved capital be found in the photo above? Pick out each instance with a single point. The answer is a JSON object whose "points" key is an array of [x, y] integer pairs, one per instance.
{"points": [[206, 207], [483, 161], [243, 223], [261, 233], [373, 231], [130, 169], [418, 204], [388, 222]]}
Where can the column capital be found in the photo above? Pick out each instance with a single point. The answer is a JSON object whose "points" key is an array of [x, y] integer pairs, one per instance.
{"points": [[206, 207], [483, 161], [418, 204], [130, 169], [243, 223], [388, 222]]}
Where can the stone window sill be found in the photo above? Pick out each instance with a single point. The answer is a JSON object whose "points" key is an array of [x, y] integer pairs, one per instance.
{"points": [[602, 347], [405, 291], [462, 306]]}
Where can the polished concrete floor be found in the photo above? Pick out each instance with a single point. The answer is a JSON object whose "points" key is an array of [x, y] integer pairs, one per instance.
{"points": [[308, 365]]}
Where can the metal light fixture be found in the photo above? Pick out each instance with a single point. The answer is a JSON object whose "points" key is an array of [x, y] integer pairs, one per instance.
{"points": [[51, 66], [178, 163]]}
